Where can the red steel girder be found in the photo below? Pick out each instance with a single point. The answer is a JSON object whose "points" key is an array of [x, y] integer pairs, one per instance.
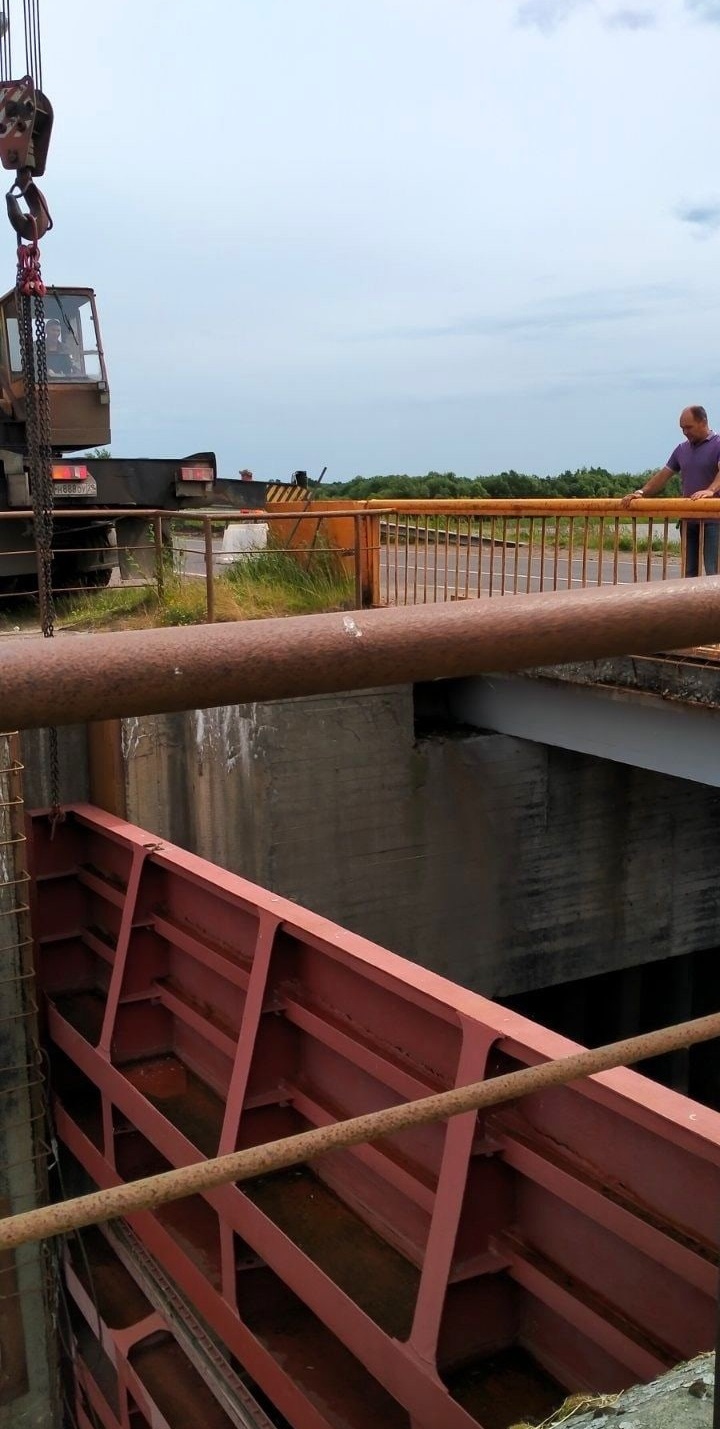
{"points": [[191, 1012]]}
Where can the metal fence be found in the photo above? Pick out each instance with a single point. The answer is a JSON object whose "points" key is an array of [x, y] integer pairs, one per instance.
{"points": [[153, 567], [433, 551], [156, 567]]}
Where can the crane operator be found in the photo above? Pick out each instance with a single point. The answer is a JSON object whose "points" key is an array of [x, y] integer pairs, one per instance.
{"points": [[59, 362]]}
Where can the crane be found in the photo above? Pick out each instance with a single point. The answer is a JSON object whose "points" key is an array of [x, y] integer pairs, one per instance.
{"points": [[53, 385], [54, 391]]}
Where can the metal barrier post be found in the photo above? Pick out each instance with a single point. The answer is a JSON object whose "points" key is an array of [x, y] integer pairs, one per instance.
{"points": [[106, 766], [159, 567], [359, 531], [209, 581]]}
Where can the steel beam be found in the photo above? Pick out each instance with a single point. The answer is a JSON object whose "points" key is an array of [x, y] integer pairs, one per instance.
{"points": [[645, 731], [194, 1016], [106, 766], [155, 671], [149, 1192]]}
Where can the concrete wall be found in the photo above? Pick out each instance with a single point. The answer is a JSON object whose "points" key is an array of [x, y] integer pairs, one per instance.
{"points": [[501, 863], [312, 798], [73, 764]]}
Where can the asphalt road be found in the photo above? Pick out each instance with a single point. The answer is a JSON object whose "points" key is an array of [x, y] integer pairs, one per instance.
{"points": [[411, 575], [418, 574]]}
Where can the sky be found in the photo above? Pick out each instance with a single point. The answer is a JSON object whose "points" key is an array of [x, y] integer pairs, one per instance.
{"points": [[391, 235]]}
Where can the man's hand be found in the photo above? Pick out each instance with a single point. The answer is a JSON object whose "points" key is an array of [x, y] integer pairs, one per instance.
{"points": [[632, 496], [705, 495]]}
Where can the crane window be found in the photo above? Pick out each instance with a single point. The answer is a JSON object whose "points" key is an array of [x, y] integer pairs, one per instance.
{"points": [[71, 343]]}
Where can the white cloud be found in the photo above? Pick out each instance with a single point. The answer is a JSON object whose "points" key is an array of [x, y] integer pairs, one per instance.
{"points": [[708, 10], [703, 218], [631, 19], [547, 15]]}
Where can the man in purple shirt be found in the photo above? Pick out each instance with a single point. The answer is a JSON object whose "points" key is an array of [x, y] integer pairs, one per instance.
{"points": [[697, 459]]}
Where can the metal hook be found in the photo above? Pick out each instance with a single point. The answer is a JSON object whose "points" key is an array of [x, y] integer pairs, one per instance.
{"points": [[34, 224]]}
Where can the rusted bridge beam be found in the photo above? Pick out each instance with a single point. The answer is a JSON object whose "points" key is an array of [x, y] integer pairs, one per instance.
{"points": [[153, 1191], [91, 677]]}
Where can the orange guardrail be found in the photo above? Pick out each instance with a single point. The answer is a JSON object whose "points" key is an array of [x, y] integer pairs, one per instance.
{"points": [[456, 550], [367, 553]]}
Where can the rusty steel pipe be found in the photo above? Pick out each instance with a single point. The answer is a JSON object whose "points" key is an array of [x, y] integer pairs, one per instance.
{"points": [[87, 677], [152, 1191]]}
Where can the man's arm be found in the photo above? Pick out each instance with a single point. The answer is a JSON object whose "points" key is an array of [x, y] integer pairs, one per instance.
{"points": [[707, 491], [654, 484]]}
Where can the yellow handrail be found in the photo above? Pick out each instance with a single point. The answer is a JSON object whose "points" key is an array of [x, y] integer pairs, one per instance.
{"points": [[674, 508]]}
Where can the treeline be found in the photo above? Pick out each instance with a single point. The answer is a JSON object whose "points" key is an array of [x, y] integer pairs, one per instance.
{"points": [[588, 481]]}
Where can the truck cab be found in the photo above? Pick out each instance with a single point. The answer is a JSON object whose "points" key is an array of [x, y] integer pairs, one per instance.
{"points": [[77, 377]]}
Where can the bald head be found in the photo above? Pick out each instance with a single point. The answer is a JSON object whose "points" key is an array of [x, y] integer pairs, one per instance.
{"points": [[694, 424]]}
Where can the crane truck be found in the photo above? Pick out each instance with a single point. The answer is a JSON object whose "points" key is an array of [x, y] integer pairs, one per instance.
{"points": [[62, 359], [89, 545]]}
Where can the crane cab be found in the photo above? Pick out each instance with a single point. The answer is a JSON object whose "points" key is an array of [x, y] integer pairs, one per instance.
{"points": [[77, 378]]}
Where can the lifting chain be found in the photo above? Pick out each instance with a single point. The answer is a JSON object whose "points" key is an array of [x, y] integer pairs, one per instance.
{"points": [[30, 294]]}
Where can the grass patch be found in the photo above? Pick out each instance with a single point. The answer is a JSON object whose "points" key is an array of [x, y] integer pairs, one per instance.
{"points": [[263, 583], [94, 610], [278, 583]]}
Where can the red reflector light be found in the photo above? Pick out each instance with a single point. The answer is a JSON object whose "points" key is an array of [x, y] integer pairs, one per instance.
{"points": [[196, 473], [70, 473]]}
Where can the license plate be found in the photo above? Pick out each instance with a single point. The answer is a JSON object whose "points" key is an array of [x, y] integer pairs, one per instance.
{"points": [[76, 488]]}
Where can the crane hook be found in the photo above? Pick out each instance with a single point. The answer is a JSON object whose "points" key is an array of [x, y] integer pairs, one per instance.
{"points": [[34, 224]]}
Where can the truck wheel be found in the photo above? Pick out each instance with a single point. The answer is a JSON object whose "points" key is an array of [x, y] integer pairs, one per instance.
{"points": [[18, 585], [95, 579]]}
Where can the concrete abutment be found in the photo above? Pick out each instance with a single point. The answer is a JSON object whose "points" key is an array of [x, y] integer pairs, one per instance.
{"points": [[502, 863]]}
